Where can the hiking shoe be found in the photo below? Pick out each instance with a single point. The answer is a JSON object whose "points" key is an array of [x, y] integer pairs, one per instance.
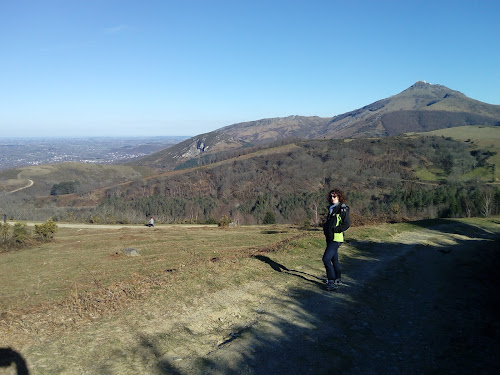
{"points": [[330, 285], [338, 282]]}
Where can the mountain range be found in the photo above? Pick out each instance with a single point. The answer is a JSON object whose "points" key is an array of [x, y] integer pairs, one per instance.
{"points": [[284, 166], [421, 107]]}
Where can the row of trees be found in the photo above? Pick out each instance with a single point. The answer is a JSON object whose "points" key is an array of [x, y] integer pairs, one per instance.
{"points": [[410, 201], [444, 201]]}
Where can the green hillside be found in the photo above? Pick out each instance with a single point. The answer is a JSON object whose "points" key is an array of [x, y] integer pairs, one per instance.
{"points": [[485, 138]]}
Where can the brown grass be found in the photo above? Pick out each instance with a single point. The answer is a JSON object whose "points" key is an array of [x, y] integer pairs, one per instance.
{"points": [[83, 275]]}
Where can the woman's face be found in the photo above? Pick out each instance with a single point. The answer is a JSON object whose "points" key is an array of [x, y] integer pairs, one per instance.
{"points": [[334, 198]]}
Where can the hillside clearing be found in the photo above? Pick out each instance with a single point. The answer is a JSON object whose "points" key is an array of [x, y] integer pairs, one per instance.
{"points": [[419, 298], [482, 137]]}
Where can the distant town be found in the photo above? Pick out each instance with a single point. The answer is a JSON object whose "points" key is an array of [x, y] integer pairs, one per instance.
{"points": [[22, 152]]}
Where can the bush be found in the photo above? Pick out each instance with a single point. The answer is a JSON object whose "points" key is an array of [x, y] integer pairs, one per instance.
{"points": [[224, 221], [4, 232], [269, 218], [66, 187], [46, 230], [20, 236], [94, 219], [20, 233]]}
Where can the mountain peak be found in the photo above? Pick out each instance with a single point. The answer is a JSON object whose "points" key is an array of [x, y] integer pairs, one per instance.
{"points": [[420, 85], [429, 89]]}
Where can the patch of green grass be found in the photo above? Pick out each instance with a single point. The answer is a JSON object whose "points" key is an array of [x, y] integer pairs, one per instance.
{"points": [[480, 173], [478, 137], [425, 174], [381, 232]]}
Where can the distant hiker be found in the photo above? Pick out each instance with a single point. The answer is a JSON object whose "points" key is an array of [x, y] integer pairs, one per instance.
{"points": [[151, 222], [336, 223], [4, 218]]}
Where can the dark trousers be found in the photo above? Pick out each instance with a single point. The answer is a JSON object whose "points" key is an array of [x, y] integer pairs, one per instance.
{"points": [[331, 260]]}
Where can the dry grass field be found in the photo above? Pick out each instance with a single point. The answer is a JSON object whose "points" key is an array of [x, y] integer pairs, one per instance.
{"points": [[251, 300], [91, 259]]}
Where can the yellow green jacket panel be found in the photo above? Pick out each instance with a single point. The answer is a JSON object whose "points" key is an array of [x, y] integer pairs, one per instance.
{"points": [[337, 222]]}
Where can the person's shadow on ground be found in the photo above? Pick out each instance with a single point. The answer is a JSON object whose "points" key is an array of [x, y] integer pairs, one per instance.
{"points": [[282, 268], [9, 357]]}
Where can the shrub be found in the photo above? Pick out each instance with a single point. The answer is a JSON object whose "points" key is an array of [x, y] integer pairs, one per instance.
{"points": [[94, 219], [20, 233], [269, 218], [4, 232], [46, 230], [224, 221], [66, 187]]}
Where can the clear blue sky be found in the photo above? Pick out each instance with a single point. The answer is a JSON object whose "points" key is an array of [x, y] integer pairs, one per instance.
{"points": [[134, 68]]}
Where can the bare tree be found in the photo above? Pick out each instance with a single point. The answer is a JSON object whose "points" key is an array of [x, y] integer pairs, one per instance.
{"points": [[468, 207], [315, 213], [487, 202]]}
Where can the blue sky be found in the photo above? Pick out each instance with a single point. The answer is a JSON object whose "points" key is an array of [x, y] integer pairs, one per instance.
{"points": [[136, 68]]}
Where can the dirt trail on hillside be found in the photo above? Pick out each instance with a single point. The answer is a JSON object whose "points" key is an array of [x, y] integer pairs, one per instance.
{"points": [[423, 303], [29, 184]]}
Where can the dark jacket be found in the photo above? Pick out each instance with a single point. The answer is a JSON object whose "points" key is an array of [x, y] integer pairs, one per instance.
{"points": [[333, 225]]}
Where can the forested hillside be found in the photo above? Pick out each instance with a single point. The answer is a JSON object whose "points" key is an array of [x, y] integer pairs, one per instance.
{"points": [[392, 178]]}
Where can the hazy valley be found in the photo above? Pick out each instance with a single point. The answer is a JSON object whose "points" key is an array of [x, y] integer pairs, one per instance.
{"points": [[22, 152]]}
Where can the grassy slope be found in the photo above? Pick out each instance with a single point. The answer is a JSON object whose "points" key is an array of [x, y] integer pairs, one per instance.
{"points": [[480, 137], [88, 175], [87, 259], [189, 289]]}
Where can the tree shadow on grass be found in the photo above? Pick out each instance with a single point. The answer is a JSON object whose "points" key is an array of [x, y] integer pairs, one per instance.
{"points": [[396, 319]]}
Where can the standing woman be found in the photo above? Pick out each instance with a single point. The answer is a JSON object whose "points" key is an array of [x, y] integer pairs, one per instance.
{"points": [[336, 223]]}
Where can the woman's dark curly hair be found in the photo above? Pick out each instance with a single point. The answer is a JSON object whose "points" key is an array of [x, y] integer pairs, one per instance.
{"points": [[339, 193]]}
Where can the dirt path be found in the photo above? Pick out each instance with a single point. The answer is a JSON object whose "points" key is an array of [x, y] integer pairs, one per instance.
{"points": [[423, 303], [414, 308], [29, 184], [121, 226]]}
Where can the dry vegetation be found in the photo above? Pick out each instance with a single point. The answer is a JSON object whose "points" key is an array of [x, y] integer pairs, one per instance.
{"points": [[84, 275]]}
